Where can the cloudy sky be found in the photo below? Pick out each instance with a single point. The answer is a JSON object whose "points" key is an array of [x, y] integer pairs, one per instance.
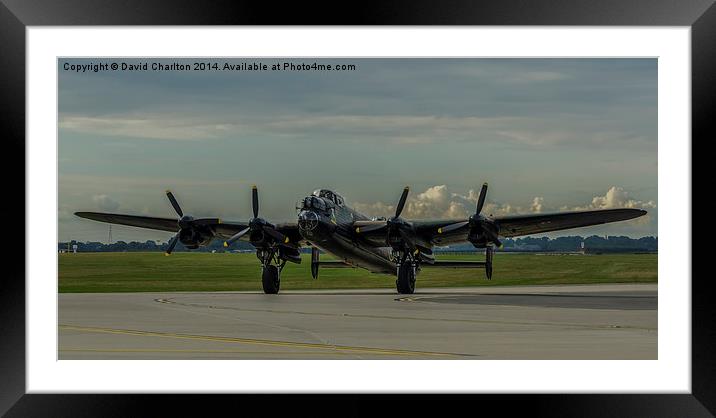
{"points": [[547, 134]]}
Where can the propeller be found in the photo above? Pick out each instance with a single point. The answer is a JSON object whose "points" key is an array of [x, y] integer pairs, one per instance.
{"points": [[175, 204], [258, 224], [255, 200], [477, 222], [396, 224], [481, 199], [396, 220], [172, 244], [185, 221], [401, 202], [392, 221]]}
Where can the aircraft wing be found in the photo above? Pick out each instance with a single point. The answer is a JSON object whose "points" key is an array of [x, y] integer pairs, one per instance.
{"points": [[513, 226], [222, 229], [442, 232], [161, 224]]}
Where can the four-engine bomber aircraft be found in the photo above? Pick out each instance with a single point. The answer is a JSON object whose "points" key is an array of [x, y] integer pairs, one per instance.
{"points": [[393, 246]]}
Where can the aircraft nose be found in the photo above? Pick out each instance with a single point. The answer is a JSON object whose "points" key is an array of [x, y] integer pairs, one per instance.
{"points": [[307, 220]]}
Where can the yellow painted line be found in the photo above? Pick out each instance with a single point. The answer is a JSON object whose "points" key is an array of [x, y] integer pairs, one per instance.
{"points": [[169, 350], [365, 350]]}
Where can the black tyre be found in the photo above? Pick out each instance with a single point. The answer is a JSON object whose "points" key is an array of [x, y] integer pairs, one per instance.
{"points": [[270, 280], [406, 279]]}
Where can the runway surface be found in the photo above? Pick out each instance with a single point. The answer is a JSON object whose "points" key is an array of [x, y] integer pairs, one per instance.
{"points": [[529, 322]]}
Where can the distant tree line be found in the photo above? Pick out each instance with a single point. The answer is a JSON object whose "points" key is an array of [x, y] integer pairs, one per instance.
{"points": [[592, 244], [135, 246]]}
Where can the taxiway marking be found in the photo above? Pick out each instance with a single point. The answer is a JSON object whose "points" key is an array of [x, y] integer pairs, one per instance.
{"points": [[291, 344]]}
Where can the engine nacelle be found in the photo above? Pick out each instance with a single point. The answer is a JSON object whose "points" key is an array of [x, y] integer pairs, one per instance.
{"points": [[478, 240], [195, 237], [482, 233]]}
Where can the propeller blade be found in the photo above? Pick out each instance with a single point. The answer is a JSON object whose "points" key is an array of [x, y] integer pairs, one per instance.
{"points": [[236, 236], [406, 239], [481, 199], [255, 200], [206, 221], [370, 228], [452, 227], [175, 204], [279, 237], [493, 236], [172, 244], [401, 203]]}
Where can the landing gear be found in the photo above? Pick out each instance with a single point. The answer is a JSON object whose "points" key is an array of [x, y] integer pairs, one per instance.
{"points": [[270, 279], [489, 252], [271, 266], [314, 262], [407, 269]]}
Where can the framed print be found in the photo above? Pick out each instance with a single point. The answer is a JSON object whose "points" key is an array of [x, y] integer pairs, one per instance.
{"points": [[343, 209]]}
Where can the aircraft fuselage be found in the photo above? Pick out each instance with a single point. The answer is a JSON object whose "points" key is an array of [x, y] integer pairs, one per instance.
{"points": [[326, 223]]}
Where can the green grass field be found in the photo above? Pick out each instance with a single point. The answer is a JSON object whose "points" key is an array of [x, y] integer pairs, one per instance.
{"points": [[154, 272]]}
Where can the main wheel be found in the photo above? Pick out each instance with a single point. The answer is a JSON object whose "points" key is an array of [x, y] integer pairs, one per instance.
{"points": [[406, 279], [270, 280]]}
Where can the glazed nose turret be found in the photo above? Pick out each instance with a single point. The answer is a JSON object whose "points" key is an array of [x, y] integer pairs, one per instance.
{"points": [[308, 220], [314, 218]]}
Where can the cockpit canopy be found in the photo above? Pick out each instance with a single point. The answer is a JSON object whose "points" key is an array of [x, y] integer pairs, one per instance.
{"points": [[330, 196], [321, 200]]}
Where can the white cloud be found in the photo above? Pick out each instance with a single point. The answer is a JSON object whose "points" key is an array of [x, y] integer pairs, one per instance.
{"points": [[439, 202], [397, 129], [105, 202], [538, 135], [156, 126], [431, 202], [537, 204], [394, 129], [616, 197]]}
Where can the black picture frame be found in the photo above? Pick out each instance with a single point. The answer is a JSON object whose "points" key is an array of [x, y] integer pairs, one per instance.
{"points": [[16, 15]]}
